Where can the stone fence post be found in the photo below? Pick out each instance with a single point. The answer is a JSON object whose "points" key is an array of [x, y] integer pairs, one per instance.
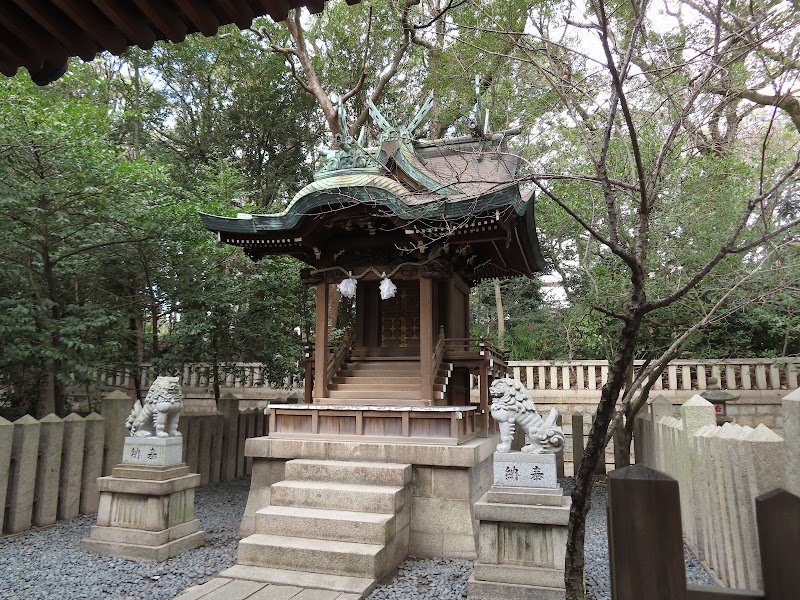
{"points": [[22, 478], [791, 436], [6, 438], [115, 408]]}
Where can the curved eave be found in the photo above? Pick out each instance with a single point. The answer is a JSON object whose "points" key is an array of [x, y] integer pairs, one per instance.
{"points": [[330, 198]]}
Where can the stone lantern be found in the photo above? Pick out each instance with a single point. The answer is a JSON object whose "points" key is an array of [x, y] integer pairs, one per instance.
{"points": [[719, 397]]}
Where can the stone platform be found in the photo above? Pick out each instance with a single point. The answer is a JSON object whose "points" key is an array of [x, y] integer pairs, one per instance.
{"points": [[446, 483]]}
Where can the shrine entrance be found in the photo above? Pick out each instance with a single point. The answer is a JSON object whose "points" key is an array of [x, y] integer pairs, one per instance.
{"points": [[400, 319]]}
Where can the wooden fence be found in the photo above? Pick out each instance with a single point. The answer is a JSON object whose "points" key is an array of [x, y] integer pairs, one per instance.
{"points": [[49, 468], [646, 544]]}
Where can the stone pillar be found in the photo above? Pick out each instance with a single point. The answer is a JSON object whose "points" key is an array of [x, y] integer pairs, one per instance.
{"points": [[115, 408], [791, 433], [660, 407], [696, 413], [22, 479], [94, 442], [6, 439], [51, 442], [69, 497]]}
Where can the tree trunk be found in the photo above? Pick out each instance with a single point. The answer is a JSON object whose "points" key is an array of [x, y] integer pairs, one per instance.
{"points": [[581, 494]]}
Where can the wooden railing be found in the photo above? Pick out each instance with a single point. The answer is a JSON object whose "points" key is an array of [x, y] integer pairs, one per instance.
{"points": [[466, 347], [338, 357], [689, 375]]}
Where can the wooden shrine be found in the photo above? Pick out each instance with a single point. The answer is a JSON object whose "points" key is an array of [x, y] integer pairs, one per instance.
{"points": [[407, 225]]}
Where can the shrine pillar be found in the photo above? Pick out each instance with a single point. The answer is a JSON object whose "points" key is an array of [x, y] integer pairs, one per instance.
{"points": [[426, 374], [321, 341]]}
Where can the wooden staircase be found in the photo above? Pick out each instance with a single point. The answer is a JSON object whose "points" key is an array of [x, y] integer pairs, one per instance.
{"points": [[385, 381]]}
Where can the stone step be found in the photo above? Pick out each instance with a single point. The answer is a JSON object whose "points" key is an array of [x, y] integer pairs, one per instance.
{"points": [[339, 496], [302, 579], [319, 523], [325, 556], [345, 471]]}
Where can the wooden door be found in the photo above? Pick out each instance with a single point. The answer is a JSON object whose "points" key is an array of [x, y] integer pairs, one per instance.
{"points": [[400, 318]]}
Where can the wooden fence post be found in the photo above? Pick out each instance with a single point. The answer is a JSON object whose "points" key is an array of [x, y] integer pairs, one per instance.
{"points": [[645, 538], [228, 405], [619, 441], [577, 441], [778, 518]]}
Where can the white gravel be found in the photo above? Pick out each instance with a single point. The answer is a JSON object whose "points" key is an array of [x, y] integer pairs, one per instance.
{"points": [[47, 563]]}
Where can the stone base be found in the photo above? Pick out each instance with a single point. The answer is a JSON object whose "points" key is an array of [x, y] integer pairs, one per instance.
{"points": [[522, 544], [446, 483], [146, 513], [153, 451], [518, 469], [490, 590], [143, 552]]}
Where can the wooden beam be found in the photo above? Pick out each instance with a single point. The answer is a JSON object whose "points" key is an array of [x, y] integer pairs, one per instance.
{"points": [[72, 38], [239, 12], [426, 338], [129, 22], [165, 21], [200, 15], [93, 24], [321, 343], [25, 28]]}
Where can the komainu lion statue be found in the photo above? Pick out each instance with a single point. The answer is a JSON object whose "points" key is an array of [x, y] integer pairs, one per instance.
{"points": [[512, 406], [160, 411]]}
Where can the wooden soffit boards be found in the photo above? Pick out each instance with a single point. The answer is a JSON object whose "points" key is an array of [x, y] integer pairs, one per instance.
{"points": [[41, 35]]}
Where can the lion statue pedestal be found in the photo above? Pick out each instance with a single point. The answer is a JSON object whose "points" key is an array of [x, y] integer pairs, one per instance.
{"points": [[147, 504], [523, 517]]}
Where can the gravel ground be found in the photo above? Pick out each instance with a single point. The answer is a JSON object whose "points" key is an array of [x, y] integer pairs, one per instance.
{"points": [[47, 563]]}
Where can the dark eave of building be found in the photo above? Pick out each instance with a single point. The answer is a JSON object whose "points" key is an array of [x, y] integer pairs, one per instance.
{"points": [[41, 35]]}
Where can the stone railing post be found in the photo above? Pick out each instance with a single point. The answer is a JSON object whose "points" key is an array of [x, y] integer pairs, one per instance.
{"points": [[696, 413], [115, 408], [94, 441], [791, 435], [6, 438], [71, 467], [22, 478], [51, 443]]}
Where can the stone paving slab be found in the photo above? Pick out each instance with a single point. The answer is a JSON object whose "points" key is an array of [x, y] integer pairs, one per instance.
{"points": [[223, 588]]}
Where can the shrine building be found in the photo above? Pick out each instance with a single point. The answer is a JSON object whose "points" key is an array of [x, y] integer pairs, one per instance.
{"points": [[428, 219], [387, 456]]}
